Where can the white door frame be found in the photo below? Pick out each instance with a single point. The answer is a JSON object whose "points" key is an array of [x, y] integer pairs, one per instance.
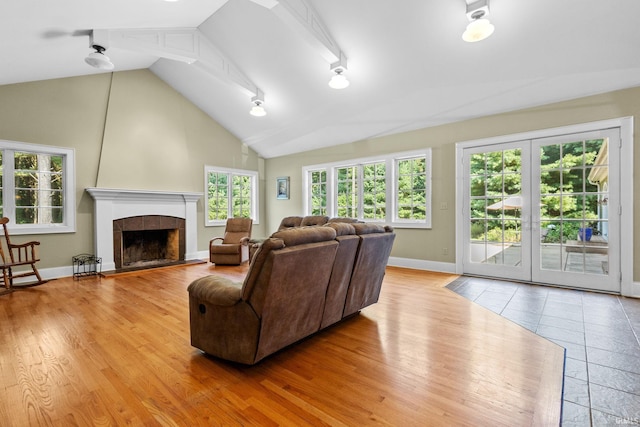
{"points": [[625, 210]]}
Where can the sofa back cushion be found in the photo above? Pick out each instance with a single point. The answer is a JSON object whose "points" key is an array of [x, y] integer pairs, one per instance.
{"points": [[314, 220], [290, 222], [371, 260], [256, 283], [292, 307], [340, 272], [287, 283], [343, 219]]}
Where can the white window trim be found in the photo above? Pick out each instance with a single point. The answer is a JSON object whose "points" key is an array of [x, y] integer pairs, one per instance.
{"points": [[69, 188], [390, 161], [255, 202]]}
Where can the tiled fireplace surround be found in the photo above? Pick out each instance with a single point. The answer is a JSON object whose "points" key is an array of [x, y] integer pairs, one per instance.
{"points": [[148, 239], [113, 205]]}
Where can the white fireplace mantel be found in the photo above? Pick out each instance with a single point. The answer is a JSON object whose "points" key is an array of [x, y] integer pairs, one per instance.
{"points": [[112, 204]]}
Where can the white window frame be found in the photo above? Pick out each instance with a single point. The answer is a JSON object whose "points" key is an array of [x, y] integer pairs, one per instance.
{"points": [[391, 164], [68, 224], [255, 207]]}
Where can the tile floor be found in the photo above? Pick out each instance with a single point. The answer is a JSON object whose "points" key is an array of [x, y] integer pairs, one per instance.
{"points": [[600, 333]]}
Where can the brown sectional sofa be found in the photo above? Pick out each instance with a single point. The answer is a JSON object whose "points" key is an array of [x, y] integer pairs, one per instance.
{"points": [[300, 280], [297, 221]]}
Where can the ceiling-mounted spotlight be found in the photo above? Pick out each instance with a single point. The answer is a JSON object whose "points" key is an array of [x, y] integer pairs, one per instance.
{"points": [[479, 27], [257, 109], [98, 59], [339, 80]]}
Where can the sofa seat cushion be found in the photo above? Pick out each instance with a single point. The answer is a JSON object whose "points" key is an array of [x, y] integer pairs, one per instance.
{"points": [[216, 290]]}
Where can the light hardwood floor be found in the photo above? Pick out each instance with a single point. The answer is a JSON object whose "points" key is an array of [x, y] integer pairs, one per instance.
{"points": [[116, 351]]}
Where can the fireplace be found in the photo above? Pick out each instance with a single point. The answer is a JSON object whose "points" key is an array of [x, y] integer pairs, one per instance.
{"points": [[147, 212], [148, 241]]}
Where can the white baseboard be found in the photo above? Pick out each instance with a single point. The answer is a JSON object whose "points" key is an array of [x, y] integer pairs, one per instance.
{"points": [[445, 267], [53, 273], [417, 264], [67, 271], [633, 290], [420, 264]]}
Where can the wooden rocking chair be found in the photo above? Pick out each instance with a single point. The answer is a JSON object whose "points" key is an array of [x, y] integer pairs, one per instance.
{"points": [[16, 256]]}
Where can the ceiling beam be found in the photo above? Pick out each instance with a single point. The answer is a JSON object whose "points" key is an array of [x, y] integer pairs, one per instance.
{"points": [[214, 62], [188, 45], [301, 16], [179, 44]]}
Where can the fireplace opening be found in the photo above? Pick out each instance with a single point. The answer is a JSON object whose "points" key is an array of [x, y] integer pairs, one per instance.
{"points": [[148, 241], [149, 247]]}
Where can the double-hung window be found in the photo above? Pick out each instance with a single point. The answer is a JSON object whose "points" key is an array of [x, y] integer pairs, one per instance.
{"points": [[231, 193], [37, 190], [393, 189], [318, 192]]}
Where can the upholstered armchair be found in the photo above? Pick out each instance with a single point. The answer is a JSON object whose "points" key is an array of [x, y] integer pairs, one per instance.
{"points": [[233, 248]]}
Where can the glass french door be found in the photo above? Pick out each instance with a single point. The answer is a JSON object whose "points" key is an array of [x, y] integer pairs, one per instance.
{"points": [[541, 210], [497, 233]]}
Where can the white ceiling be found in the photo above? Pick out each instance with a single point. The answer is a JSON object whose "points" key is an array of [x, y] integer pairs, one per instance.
{"points": [[407, 63]]}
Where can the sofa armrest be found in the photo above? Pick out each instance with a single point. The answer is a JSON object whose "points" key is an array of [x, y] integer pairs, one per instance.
{"points": [[216, 290]]}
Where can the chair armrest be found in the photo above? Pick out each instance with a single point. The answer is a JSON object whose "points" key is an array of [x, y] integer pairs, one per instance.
{"points": [[24, 252], [245, 241], [24, 245], [212, 242], [216, 290]]}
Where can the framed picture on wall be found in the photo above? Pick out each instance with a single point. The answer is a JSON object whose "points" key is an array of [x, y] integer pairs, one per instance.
{"points": [[282, 187]]}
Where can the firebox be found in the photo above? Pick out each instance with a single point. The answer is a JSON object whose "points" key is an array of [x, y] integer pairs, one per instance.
{"points": [[148, 241]]}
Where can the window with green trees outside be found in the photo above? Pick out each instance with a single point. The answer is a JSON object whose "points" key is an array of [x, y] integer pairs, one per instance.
{"points": [[393, 189], [37, 188], [231, 193]]}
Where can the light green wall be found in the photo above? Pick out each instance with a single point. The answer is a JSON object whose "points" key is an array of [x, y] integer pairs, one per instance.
{"points": [[427, 244], [154, 139]]}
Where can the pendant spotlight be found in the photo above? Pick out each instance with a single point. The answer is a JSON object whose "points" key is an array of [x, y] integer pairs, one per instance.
{"points": [[98, 59], [339, 80], [479, 27], [258, 110]]}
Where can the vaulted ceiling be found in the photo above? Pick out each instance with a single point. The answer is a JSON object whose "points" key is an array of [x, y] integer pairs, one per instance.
{"points": [[406, 61]]}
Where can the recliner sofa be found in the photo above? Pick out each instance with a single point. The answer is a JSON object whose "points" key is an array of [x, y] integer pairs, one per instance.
{"points": [[300, 281]]}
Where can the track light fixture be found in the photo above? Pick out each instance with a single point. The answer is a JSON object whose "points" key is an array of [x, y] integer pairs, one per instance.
{"points": [[98, 59], [258, 110], [339, 80], [479, 27]]}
